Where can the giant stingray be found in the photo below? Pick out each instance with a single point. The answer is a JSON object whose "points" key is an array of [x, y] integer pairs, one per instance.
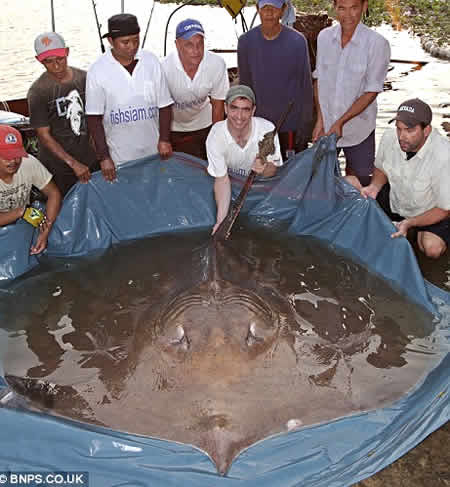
{"points": [[227, 345]]}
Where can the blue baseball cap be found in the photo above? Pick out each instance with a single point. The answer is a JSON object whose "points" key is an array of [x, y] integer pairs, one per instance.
{"points": [[188, 28], [274, 3]]}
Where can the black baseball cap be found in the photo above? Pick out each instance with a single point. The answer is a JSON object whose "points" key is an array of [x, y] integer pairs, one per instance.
{"points": [[122, 25], [413, 112]]}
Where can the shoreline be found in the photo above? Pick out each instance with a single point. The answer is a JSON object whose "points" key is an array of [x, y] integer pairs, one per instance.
{"points": [[431, 47]]}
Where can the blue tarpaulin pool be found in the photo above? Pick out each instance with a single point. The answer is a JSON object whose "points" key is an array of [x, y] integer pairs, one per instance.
{"points": [[153, 197]]}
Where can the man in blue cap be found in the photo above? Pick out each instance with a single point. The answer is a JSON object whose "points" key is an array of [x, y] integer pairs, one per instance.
{"points": [[273, 60], [198, 83]]}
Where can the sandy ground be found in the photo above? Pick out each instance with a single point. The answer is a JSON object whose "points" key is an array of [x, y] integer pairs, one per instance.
{"points": [[426, 465]]}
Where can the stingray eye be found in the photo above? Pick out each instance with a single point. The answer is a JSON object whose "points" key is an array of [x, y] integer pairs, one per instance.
{"points": [[252, 336], [180, 339]]}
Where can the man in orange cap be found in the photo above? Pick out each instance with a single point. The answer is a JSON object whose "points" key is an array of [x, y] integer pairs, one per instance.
{"points": [[18, 172]]}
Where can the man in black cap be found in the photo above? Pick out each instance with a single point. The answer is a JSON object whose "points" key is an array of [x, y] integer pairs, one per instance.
{"points": [[411, 180], [128, 103]]}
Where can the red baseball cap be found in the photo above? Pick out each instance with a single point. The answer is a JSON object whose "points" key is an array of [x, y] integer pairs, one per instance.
{"points": [[49, 44], [11, 145]]}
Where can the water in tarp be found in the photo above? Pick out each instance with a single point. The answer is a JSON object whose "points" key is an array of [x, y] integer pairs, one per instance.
{"points": [[146, 339]]}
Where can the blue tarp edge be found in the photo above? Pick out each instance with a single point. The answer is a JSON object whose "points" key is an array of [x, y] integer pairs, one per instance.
{"points": [[174, 196]]}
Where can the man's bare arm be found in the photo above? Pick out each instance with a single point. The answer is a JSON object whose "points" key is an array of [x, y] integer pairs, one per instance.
{"points": [[218, 110], [52, 209], [318, 130], [165, 121], [7, 217], [222, 195], [357, 107], [379, 179], [429, 217], [45, 138]]}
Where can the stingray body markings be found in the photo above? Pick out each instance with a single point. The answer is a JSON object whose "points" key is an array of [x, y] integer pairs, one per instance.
{"points": [[227, 362]]}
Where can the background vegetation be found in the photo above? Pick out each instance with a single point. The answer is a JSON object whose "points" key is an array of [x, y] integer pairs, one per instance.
{"points": [[422, 17]]}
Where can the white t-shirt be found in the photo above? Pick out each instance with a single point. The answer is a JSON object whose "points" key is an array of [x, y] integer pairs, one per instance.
{"points": [[17, 193], [224, 154], [192, 108], [129, 104], [420, 183], [345, 74]]}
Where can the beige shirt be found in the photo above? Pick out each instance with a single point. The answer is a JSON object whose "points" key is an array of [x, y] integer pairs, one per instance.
{"points": [[420, 183], [17, 194]]}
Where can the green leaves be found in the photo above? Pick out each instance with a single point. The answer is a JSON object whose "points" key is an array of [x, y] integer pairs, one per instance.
{"points": [[422, 17]]}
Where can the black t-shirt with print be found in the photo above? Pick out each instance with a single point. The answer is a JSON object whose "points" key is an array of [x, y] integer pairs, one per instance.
{"points": [[61, 106]]}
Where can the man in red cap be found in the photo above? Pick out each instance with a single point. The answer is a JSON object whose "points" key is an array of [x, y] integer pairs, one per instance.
{"points": [[18, 172], [56, 101]]}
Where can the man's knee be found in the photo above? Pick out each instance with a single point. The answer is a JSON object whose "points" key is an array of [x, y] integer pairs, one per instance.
{"points": [[432, 245]]}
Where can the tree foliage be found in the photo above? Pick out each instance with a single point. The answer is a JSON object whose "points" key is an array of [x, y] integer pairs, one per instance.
{"points": [[422, 17]]}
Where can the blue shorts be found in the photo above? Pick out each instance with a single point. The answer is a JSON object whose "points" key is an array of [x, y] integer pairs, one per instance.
{"points": [[360, 158]]}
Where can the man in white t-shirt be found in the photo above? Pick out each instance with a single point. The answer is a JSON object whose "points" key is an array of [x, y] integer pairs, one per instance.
{"points": [[232, 146], [128, 103], [198, 83], [411, 180], [18, 172]]}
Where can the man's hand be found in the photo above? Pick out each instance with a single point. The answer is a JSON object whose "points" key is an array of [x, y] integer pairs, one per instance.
{"points": [[215, 227], [259, 165], [354, 181], [336, 128], [371, 191], [108, 169], [318, 131], [402, 228], [82, 172], [41, 243], [164, 149]]}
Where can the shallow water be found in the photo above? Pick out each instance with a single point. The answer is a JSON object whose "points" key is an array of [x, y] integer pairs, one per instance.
{"points": [[75, 20], [148, 326]]}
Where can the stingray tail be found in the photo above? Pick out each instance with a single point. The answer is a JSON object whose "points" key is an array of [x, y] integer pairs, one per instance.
{"points": [[37, 391]]}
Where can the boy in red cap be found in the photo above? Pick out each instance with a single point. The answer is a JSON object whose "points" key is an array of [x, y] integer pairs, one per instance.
{"points": [[18, 172]]}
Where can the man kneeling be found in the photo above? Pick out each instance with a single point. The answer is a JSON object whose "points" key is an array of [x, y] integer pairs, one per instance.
{"points": [[411, 181], [232, 145], [18, 172]]}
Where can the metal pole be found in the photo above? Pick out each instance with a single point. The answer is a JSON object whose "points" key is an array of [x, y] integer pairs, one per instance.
{"points": [[148, 24], [123, 6], [53, 15]]}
